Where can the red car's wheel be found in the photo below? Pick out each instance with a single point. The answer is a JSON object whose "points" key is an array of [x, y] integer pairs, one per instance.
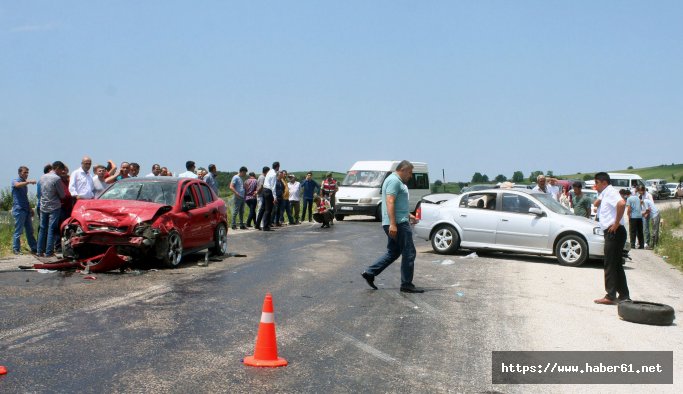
{"points": [[174, 250], [220, 240]]}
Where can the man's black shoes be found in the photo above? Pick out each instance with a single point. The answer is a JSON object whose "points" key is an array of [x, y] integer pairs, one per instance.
{"points": [[370, 278], [411, 289]]}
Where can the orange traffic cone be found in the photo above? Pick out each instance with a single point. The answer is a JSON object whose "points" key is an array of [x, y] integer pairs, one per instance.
{"points": [[265, 353]]}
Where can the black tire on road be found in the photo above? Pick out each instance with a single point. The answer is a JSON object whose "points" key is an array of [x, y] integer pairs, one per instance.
{"points": [[220, 241], [174, 250], [646, 313], [445, 239], [339, 217], [571, 250], [378, 213]]}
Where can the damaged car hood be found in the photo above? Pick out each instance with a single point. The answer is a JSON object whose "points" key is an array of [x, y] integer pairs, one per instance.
{"points": [[116, 213]]}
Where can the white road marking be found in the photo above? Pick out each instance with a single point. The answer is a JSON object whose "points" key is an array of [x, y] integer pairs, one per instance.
{"points": [[367, 348]]}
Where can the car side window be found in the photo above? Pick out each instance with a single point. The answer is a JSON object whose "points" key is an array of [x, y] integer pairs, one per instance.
{"points": [[198, 194], [479, 201], [206, 193], [189, 200], [517, 204]]}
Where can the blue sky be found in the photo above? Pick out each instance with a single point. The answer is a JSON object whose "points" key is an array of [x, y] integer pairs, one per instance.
{"points": [[487, 86]]}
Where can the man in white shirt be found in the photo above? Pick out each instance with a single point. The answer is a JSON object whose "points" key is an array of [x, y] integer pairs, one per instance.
{"points": [[611, 214], [80, 183], [268, 197], [294, 197], [189, 165], [554, 189], [156, 171]]}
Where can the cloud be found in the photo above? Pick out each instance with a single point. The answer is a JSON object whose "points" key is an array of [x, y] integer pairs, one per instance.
{"points": [[34, 28]]}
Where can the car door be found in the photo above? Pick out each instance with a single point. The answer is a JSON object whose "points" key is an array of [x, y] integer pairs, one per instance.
{"points": [[206, 218], [477, 217], [517, 229], [193, 223]]}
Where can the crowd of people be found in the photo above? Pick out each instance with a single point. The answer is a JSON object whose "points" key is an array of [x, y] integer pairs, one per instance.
{"points": [[641, 212], [269, 198]]}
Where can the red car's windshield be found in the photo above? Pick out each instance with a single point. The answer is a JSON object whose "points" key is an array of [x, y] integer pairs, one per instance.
{"points": [[157, 192]]}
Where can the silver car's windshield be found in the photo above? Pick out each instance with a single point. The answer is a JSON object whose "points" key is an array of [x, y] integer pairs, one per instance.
{"points": [[553, 205], [363, 178], [157, 192]]}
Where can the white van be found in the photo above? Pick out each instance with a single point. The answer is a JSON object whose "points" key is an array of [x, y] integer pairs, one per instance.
{"points": [[625, 181], [360, 191]]}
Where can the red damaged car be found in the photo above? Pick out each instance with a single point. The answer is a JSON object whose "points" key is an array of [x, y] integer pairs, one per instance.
{"points": [[163, 218]]}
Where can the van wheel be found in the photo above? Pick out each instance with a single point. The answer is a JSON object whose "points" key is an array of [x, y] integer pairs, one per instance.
{"points": [[571, 251], [378, 213], [646, 313], [339, 217], [445, 239]]}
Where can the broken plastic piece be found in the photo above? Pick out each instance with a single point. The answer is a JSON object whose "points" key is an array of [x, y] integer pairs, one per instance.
{"points": [[89, 277]]}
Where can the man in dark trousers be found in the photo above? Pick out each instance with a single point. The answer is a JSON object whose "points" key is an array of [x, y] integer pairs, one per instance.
{"points": [[611, 214], [396, 220], [268, 197]]}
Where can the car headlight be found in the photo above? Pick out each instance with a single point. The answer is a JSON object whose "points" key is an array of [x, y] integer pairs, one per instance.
{"points": [[598, 231], [365, 200]]}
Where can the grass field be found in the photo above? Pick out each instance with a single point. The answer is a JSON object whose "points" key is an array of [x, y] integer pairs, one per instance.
{"points": [[671, 237], [670, 172]]}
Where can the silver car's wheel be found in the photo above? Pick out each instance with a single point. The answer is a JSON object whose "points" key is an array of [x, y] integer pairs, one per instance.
{"points": [[445, 239], [220, 247], [571, 250], [174, 250]]}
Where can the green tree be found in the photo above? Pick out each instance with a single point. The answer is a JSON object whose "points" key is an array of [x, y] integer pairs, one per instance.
{"points": [[477, 178], [517, 177], [629, 168], [549, 173], [436, 185], [534, 175], [587, 177], [485, 178], [501, 178]]}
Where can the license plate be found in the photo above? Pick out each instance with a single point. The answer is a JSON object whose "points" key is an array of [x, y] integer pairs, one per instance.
{"points": [[347, 208]]}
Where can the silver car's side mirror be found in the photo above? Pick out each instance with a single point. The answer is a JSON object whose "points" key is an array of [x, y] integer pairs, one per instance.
{"points": [[536, 211]]}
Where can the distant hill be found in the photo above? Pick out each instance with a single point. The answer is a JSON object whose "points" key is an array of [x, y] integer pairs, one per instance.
{"points": [[670, 172]]}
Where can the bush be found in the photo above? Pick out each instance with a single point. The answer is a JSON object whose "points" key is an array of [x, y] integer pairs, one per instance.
{"points": [[5, 199]]}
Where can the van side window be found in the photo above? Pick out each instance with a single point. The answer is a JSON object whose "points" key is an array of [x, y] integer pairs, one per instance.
{"points": [[419, 181]]}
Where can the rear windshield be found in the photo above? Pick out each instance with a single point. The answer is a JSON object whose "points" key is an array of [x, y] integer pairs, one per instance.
{"points": [[364, 178], [158, 192]]}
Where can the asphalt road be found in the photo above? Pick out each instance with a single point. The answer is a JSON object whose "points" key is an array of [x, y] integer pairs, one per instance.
{"points": [[187, 329]]}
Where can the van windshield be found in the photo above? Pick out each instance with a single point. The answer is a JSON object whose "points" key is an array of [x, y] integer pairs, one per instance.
{"points": [[364, 178]]}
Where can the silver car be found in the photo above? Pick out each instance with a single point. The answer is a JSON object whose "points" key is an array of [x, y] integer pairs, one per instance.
{"points": [[511, 220]]}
